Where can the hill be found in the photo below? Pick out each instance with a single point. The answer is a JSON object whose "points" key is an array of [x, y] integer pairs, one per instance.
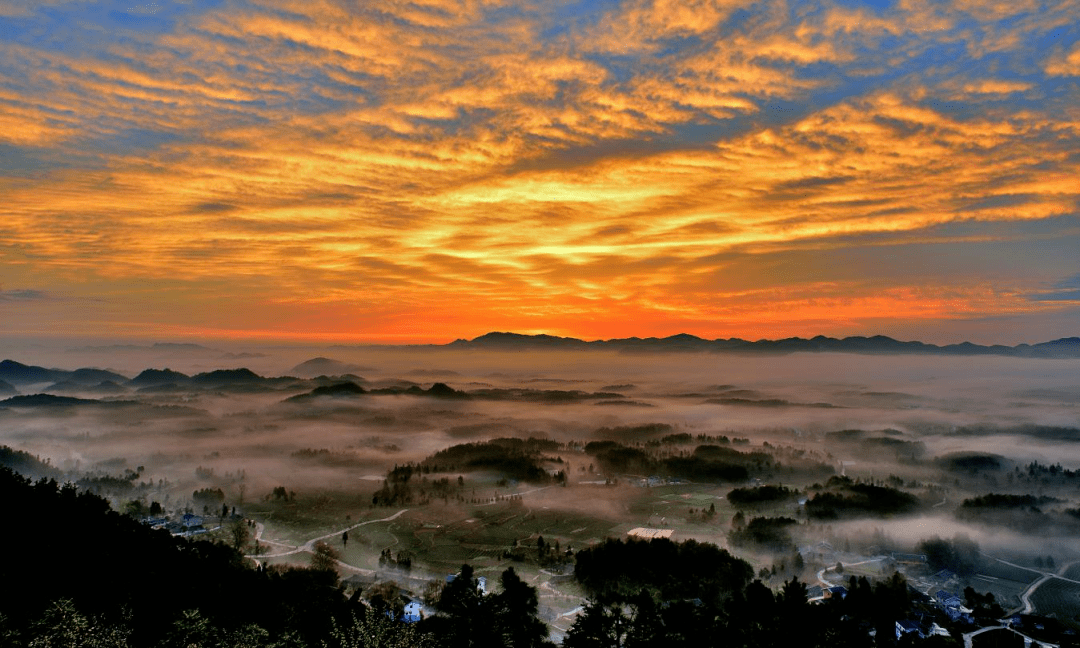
{"points": [[151, 377], [325, 367]]}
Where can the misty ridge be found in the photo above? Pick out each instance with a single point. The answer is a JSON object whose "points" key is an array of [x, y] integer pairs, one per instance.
{"points": [[914, 471]]}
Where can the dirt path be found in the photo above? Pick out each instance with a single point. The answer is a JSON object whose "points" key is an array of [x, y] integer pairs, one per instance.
{"points": [[309, 546], [522, 493], [827, 584]]}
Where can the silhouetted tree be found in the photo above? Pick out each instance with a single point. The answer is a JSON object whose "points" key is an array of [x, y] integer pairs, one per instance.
{"points": [[514, 613], [324, 558]]}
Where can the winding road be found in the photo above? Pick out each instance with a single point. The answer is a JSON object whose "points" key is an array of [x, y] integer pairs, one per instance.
{"points": [[1025, 596], [309, 546]]}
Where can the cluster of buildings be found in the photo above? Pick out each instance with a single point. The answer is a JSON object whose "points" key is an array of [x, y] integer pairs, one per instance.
{"points": [[188, 525], [923, 622], [413, 610]]}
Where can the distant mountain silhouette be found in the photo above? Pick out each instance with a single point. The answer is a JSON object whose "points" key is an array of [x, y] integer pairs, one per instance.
{"points": [[18, 373], [182, 346], [158, 377], [104, 388], [223, 377], [46, 400], [7, 389], [325, 367], [242, 356], [95, 377], [878, 344], [335, 389], [442, 390], [438, 390]]}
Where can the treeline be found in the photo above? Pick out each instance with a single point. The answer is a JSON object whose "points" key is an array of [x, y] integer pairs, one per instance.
{"points": [[757, 496], [633, 433], [959, 555], [513, 458], [26, 463], [1020, 512], [847, 498], [661, 567], [467, 618], [706, 463], [877, 443], [208, 496], [1037, 470], [762, 532], [1005, 501], [327, 457], [694, 595]]}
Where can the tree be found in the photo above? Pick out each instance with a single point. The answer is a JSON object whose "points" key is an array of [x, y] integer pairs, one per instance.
{"points": [[432, 591], [793, 599], [385, 599], [63, 626], [599, 626], [464, 619], [959, 555], [239, 534], [372, 630], [134, 508], [324, 558], [191, 629], [514, 608]]}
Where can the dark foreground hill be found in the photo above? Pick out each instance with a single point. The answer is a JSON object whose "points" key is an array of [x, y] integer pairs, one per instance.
{"points": [[69, 545]]}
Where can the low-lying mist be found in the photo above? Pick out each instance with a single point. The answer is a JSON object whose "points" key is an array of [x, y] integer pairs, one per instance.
{"points": [[670, 436]]}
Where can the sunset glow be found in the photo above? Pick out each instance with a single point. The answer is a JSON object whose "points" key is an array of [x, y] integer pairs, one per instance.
{"points": [[392, 171]]}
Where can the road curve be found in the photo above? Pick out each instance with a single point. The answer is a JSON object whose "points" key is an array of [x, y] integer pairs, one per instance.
{"points": [[309, 546]]}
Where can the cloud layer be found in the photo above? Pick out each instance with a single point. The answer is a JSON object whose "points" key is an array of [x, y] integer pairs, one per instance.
{"points": [[430, 170]]}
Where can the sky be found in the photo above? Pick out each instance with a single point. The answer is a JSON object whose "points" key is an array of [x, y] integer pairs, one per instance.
{"points": [[391, 171]]}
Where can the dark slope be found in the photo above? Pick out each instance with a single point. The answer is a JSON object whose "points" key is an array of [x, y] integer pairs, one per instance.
{"points": [[18, 373]]}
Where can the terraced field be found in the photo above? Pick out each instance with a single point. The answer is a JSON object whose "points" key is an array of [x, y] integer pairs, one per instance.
{"points": [[1005, 582], [1060, 599]]}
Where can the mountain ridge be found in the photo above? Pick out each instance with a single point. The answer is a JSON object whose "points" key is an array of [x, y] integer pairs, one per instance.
{"points": [[873, 345]]}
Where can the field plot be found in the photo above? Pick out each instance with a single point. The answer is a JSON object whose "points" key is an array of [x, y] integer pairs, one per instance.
{"points": [[1004, 581], [1059, 599], [999, 570]]}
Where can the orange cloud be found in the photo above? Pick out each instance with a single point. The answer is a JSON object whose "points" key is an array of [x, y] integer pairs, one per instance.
{"points": [[1065, 64], [371, 169]]}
